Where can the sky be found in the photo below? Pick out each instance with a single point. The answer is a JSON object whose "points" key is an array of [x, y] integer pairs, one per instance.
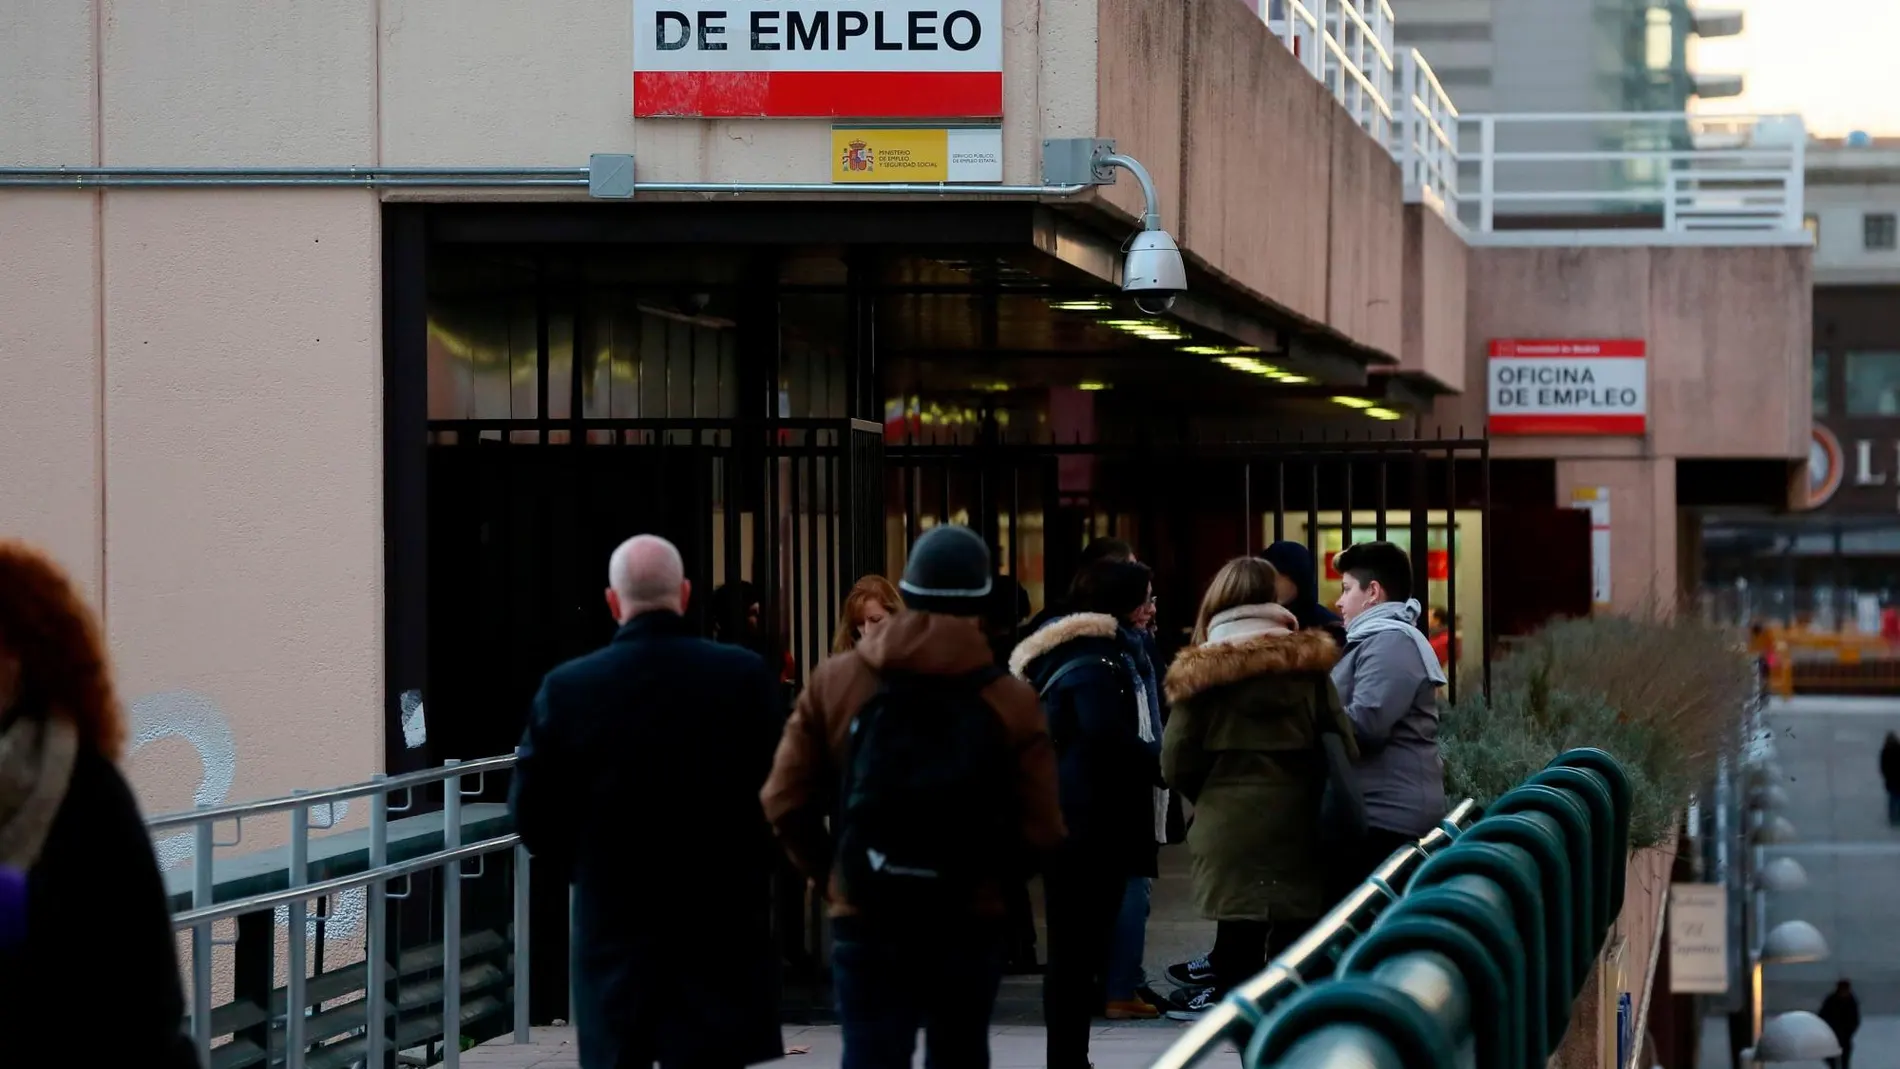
{"points": [[1833, 61]]}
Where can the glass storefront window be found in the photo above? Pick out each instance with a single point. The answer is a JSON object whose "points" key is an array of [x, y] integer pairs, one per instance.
{"points": [[1820, 384], [1873, 383]]}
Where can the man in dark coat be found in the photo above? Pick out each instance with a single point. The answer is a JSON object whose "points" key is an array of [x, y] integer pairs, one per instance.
{"points": [[639, 778], [1840, 1011]]}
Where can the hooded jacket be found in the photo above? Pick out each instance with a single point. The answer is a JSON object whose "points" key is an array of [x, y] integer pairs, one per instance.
{"points": [[1243, 745], [1088, 670], [803, 787], [1295, 561]]}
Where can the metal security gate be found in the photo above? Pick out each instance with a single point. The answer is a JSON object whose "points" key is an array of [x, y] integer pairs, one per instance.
{"points": [[784, 515], [1188, 507]]}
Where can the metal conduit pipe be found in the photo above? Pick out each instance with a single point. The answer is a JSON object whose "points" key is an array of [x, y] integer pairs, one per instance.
{"points": [[466, 178]]}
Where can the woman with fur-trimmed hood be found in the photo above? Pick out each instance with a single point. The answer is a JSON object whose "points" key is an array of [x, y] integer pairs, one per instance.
{"points": [[1243, 744], [82, 908], [1088, 667]]}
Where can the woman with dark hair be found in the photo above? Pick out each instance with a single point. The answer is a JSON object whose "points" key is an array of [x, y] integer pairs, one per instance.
{"points": [[1087, 666], [79, 888]]}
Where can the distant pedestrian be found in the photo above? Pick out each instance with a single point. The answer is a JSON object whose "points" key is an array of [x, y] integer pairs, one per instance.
{"points": [[1087, 668], [872, 601], [1840, 1011], [80, 893], [1890, 775], [638, 780], [935, 771], [1251, 702], [1388, 681], [1297, 588]]}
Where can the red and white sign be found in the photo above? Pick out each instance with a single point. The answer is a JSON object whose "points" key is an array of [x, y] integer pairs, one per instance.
{"points": [[852, 59], [1568, 387]]}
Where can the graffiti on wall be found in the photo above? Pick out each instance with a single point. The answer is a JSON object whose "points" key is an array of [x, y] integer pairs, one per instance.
{"points": [[197, 721]]}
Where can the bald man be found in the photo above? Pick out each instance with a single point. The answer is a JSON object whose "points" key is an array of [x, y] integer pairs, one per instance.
{"points": [[638, 780]]}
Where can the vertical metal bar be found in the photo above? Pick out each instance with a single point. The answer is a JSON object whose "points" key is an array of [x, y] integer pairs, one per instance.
{"points": [[911, 506], [1421, 532], [1313, 541], [202, 888], [451, 877], [296, 991], [376, 939], [1345, 513], [1487, 185], [794, 513], [1484, 572], [1384, 459], [814, 635], [1451, 565], [837, 469], [1279, 503], [522, 946], [1015, 549], [1246, 508]]}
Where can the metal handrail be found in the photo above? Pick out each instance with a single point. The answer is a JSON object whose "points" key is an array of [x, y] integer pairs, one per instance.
{"points": [[1244, 1004], [331, 795], [294, 898]]}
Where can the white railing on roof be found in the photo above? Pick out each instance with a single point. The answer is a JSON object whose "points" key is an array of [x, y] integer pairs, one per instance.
{"points": [[1707, 179], [1427, 144], [1692, 174], [1348, 46]]}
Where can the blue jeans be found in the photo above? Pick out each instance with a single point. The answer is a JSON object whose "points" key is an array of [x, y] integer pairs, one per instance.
{"points": [[891, 983], [1131, 941]]}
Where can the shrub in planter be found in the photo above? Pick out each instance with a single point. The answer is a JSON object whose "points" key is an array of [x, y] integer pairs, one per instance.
{"points": [[1663, 694]]}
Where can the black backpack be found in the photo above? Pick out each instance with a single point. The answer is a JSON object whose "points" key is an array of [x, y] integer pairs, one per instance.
{"points": [[928, 809]]}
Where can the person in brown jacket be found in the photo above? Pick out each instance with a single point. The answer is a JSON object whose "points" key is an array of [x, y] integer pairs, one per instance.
{"points": [[936, 771]]}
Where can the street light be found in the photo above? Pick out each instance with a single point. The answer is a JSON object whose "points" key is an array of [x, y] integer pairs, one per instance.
{"points": [[1782, 875], [1795, 1036], [1773, 831]]}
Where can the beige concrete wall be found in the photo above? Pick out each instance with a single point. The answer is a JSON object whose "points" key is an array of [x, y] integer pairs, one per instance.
{"points": [[1729, 333], [1432, 312], [190, 381], [243, 519], [1644, 560], [1267, 180]]}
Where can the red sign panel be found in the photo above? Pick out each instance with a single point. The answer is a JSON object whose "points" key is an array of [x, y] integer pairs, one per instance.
{"points": [[856, 59], [1568, 386], [1437, 564]]}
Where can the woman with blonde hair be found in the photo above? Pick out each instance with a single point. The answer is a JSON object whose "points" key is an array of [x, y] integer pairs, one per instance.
{"points": [[872, 601], [1252, 700], [79, 888]]}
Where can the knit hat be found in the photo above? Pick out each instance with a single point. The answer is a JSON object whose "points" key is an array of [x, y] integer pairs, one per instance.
{"points": [[948, 572]]}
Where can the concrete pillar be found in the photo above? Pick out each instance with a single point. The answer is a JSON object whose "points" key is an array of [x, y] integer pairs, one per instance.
{"points": [[1644, 561]]}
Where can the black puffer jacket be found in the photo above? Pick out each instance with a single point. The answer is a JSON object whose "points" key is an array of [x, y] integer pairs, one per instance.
{"points": [[1086, 667]]}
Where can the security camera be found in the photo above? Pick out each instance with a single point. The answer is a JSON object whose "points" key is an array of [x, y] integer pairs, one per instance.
{"points": [[1153, 273]]}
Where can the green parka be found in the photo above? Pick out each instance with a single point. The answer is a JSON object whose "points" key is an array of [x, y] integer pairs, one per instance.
{"points": [[1242, 745]]}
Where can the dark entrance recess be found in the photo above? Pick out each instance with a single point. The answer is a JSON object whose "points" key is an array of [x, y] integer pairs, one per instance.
{"points": [[751, 401]]}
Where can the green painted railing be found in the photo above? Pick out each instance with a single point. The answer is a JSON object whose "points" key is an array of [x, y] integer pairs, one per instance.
{"points": [[1468, 949]]}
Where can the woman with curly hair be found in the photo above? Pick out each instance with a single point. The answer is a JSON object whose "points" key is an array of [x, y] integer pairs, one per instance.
{"points": [[82, 907]]}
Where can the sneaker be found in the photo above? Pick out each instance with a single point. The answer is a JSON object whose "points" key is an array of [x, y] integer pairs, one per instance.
{"points": [[1133, 1009], [1196, 973], [1191, 1007]]}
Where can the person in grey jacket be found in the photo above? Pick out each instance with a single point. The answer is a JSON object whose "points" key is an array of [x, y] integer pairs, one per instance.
{"points": [[1388, 680]]}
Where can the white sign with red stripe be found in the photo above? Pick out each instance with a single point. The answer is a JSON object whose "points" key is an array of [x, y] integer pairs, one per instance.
{"points": [[858, 59], [1569, 387]]}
